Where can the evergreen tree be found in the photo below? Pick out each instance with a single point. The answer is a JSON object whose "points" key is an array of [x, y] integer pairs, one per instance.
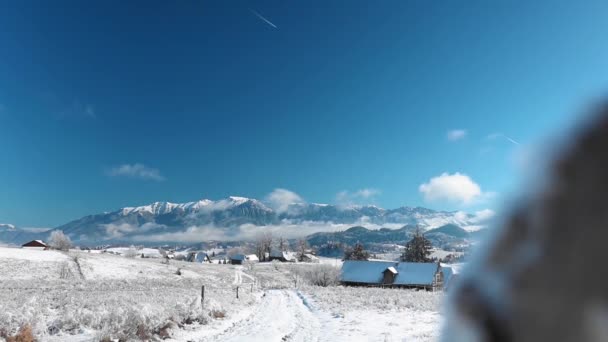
{"points": [[356, 253], [418, 249]]}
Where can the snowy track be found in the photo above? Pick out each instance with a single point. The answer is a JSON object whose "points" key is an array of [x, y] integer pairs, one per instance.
{"points": [[281, 316]]}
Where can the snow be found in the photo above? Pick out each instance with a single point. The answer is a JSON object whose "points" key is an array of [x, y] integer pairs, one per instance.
{"points": [[32, 255], [375, 314], [83, 296]]}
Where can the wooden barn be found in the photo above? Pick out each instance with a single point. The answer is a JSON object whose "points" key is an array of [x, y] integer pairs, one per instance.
{"points": [[428, 276], [238, 259], [35, 244]]}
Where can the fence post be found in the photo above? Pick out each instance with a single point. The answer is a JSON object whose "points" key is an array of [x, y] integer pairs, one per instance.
{"points": [[237, 292], [203, 296]]}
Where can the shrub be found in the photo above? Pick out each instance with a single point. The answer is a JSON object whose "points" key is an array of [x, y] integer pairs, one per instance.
{"points": [[24, 335], [215, 313], [58, 240]]}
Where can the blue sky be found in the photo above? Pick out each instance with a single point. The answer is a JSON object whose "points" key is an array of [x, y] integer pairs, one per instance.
{"points": [[109, 104]]}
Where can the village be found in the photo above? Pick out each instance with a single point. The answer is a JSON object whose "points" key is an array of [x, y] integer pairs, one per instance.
{"points": [[132, 293]]}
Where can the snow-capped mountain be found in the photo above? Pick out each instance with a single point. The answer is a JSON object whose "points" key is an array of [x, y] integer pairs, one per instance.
{"points": [[229, 215]]}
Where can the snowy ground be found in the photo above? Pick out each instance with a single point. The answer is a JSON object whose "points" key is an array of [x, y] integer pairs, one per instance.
{"points": [[80, 296]]}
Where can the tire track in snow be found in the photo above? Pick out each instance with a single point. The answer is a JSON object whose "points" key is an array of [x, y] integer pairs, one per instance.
{"points": [[281, 316]]}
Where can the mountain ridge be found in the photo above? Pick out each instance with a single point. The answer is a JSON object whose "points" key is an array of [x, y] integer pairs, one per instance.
{"points": [[231, 214]]}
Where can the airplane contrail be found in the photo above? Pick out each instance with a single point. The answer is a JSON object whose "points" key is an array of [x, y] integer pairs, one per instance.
{"points": [[511, 140], [263, 19]]}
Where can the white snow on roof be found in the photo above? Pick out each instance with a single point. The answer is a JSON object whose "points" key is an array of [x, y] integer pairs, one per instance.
{"points": [[416, 273], [370, 272], [367, 272]]}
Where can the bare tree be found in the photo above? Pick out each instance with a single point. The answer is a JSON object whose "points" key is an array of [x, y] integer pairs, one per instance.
{"points": [[234, 251], [282, 244], [302, 247], [58, 240], [263, 244]]}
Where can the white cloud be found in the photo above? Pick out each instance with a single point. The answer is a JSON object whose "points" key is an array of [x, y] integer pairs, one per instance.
{"points": [[359, 197], [455, 188], [115, 231], [286, 228], [136, 171], [280, 199], [456, 134], [483, 215], [35, 229]]}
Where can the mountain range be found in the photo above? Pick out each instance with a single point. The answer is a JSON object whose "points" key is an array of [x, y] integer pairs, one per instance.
{"points": [[229, 218]]}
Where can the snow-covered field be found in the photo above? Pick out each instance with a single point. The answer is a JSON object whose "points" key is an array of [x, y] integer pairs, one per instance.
{"points": [[79, 296]]}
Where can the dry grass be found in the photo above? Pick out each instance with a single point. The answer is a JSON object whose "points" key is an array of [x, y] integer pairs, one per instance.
{"points": [[217, 313], [25, 334]]}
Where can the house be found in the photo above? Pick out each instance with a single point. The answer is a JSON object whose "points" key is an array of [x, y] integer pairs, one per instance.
{"points": [[238, 259], [252, 258], [202, 257], [35, 244], [427, 276], [282, 256], [307, 257]]}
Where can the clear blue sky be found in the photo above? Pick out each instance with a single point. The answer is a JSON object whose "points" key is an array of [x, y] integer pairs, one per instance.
{"points": [[214, 101]]}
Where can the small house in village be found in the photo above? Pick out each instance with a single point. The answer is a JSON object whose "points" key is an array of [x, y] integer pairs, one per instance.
{"points": [[202, 257], [307, 257], [427, 276], [282, 256], [238, 259], [252, 258], [35, 244]]}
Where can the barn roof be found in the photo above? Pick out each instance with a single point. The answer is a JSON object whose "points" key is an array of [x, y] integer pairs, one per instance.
{"points": [[368, 272], [201, 256], [238, 257], [416, 273], [35, 243], [371, 272]]}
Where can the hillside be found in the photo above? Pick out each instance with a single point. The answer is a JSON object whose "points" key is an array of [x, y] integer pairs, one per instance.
{"points": [[446, 236]]}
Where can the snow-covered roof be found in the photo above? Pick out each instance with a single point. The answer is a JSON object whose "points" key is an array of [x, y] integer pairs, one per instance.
{"points": [[311, 256], [35, 243], [415, 273], [371, 272], [367, 272], [201, 257], [238, 257]]}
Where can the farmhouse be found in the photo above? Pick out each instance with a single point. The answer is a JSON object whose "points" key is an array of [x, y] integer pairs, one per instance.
{"points": [[283, 256], [35, 244], [238, 259], [307, 257], [252, 258], [427, 276], [202, 257]]}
